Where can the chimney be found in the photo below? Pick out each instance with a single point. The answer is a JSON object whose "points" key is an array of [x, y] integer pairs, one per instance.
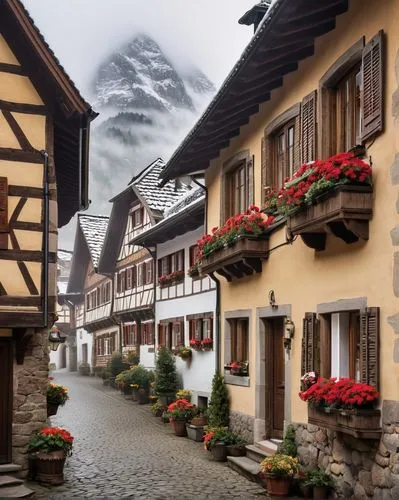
{"points": [[256, 14]]}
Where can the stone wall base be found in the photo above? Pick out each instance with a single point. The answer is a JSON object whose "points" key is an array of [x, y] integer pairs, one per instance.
{"points": [[361, 468], [242, 424], [30, 403]]}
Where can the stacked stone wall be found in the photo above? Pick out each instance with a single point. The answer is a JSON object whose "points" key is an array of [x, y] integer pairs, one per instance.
{"points": [[242, 424], [361, 468], [30, 405]]}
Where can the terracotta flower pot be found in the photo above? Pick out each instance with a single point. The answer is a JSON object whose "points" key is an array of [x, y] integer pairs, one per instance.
{"points": [[180, 428], [49, 467], [199, 421], [278, 486]]}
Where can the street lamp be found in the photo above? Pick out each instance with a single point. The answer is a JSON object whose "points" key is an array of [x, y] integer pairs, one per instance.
{"points": [[55, 339]]}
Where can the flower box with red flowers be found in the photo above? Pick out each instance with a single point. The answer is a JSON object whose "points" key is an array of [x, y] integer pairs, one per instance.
{"points": [[193, 271], [238, 248], [195, 344], [170, 279], [344, 406], [332, 196], [239, 368], [207, 344]]}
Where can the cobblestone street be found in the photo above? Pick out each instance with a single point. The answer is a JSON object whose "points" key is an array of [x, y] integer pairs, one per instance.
{"points": [[122, 451]]}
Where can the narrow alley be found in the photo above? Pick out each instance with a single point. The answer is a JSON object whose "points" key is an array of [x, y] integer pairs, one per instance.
{"points": [[122, 451]]}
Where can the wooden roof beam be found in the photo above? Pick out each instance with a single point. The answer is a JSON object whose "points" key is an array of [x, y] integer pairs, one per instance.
{"points": [[293, 53], [314, 29], [243, 89], [279, 72], [326, 9]]}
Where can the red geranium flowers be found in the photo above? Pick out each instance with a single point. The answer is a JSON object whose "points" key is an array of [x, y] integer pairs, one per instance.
{"points": [[343, 393]]}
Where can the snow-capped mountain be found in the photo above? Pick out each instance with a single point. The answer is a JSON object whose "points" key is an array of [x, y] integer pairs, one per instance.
{"points": [[140, 76], [147, 105]]}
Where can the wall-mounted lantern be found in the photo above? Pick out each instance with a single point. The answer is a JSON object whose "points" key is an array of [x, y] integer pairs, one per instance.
{"points": [[54, 338], [289, 330]]}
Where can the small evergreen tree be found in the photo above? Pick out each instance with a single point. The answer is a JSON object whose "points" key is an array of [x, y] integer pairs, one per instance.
{"points": [[219, 407], [116, 364], [165, 372]]}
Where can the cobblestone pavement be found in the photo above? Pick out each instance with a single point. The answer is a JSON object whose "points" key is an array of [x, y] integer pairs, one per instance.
{"points": [[122, 451]]}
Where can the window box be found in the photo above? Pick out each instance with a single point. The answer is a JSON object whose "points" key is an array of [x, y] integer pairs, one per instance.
{"points": [[361, 424], [343, 211], [242, 258]]}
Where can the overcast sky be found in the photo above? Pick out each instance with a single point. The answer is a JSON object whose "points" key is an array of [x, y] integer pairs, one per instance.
{"points": [[83, 32]]}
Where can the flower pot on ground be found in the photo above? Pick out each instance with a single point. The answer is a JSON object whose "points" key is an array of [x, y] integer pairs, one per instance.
{"points": [[199, 421], [180, 427], [195, 432], [320, 492], [279, 470], [219, 452], [157, 409], [320, 481], [84, 369], [143, 396], [236, 450], [48, 450], [217, 439]]}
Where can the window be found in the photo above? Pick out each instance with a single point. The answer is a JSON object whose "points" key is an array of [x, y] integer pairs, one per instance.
{"points": [[239, 339], [342, 344], [105, 345], [171, 263], [138, 217], [129, 334], [140, 274], [171, 332], [237, 185], [164, 335], [351, 97], [193, 254], [129, 278], [284, 153], [121, 281], [177, 333], [148, 272], [147, 337], [201, 328]]}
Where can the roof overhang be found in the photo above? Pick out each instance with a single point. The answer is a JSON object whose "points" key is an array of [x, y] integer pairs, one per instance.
{"points": [[188, 219], [286, 36]]}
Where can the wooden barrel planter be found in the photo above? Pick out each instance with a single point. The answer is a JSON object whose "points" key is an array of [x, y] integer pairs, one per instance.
{"points": [[49, 467]]}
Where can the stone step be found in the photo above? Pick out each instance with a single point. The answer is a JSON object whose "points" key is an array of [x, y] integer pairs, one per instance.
{"points": [[9, 481], [270, 446], [255, 453], [245, 466], [18, 491], [7, 468]]}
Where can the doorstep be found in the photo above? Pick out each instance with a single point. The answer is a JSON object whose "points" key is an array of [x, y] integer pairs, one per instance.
{"points": [[245, 466]]}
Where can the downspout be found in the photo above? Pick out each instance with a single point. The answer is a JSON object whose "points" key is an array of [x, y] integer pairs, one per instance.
{"points": [[46, 229], [217, 283]]}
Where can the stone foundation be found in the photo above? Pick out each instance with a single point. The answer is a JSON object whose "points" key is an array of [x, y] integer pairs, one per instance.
{"points": [[242, 424], [30, 405], [361, 468]]}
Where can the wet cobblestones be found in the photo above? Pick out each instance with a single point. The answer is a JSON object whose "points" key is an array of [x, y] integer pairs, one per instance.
{"points": [[122, 451]]}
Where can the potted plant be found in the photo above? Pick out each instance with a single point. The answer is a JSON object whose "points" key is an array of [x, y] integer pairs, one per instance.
{"points": [[200, 419], [57, 395], [236, 448], [165, 376], [157, 409], [278, 470], [216, 441], [135, 391], [140, 378], [195, 344], [184, 353], [219, 406], [184, 394], [48, 450], [207, 344], [320, 481], [179, 413], [193, 271], [239, 368], [169, 279]]}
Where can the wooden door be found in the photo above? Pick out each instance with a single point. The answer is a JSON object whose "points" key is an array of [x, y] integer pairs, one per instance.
{"points": [[278, 385], [5, 400]]}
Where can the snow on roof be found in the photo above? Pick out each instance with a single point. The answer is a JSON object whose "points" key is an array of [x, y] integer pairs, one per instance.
{"points": [[65, 255], [94, 228], [185, 200], [147, 184]]}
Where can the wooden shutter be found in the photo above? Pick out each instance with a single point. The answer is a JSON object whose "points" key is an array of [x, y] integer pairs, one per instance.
{"points": [[249, 167], [159, 268], [129, 278], [3, 213], [369, 346], [308, 128], [297, 143], [373, 84], [310, 359], [134, 277]]}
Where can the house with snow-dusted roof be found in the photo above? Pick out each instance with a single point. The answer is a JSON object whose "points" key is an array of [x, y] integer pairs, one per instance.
{"points": [[131, 267], [185, 301], [97, 334]]}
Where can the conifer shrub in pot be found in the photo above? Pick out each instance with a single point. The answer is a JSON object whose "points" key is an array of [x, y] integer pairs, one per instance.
{"points": [[165, 376], [219, 406], [321, 482]]}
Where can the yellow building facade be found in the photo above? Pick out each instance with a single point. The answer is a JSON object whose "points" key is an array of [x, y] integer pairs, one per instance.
{"points": [[336, 275]]}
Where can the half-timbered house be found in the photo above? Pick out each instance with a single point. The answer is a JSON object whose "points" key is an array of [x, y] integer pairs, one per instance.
{"points": [[44, 140], [134, 210], [92, 294], [319, 291], [185, 301]]}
